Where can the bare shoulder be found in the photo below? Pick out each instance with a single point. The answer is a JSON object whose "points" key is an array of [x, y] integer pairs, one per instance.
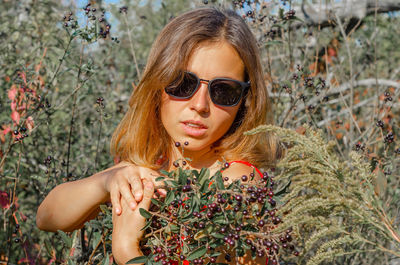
{"points": [[237, 170]]}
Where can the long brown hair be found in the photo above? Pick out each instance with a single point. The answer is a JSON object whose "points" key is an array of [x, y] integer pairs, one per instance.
{"points": [[140, 137]]}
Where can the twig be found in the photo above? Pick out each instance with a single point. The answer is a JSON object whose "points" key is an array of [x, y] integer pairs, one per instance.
{"points": [[350, 108], [131, 44], [97, 246], [73, 112]]}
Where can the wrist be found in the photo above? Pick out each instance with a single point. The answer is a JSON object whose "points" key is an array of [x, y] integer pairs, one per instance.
{"points": [[101, 179], [123, 255]]}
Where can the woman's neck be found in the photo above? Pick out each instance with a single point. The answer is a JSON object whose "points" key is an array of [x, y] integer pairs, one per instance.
{"points": [[198, 160]]}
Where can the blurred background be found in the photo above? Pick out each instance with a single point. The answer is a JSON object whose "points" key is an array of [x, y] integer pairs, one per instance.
{"points": [[67, 69]]}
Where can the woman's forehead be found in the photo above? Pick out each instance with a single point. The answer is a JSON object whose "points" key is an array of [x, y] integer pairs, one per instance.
{"points": [[216, 59]]}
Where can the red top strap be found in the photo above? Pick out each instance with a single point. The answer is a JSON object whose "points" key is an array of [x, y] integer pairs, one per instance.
{"points": [[247, 164]]}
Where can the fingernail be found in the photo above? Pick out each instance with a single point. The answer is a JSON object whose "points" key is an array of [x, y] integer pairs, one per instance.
{"points": [[163, 192], [138, 194], [117, 210], [133, 205]]}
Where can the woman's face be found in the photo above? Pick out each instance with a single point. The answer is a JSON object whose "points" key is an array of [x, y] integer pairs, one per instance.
{"points": [[208, 61]]}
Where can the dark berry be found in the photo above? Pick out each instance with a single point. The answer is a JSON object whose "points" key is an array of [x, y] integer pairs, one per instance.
{"points": [[244, 178], [186, 143], [380, 124], [205, 2], [226, 165], [238, 198], [177, 144]]}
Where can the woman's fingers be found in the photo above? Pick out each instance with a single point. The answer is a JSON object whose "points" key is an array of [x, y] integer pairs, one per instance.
{"points": [[148, 194], [137, 187], [162, 192], [115, 196], [127, 196]]}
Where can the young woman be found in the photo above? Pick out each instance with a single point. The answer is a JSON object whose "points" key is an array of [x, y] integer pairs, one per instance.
{"points": [[202, 88]]}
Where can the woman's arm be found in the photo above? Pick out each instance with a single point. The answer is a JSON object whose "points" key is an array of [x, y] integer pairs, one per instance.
{"points": [[68, 206], [127, 228]]}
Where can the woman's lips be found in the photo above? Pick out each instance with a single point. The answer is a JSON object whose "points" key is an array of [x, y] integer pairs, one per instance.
{"points": [[193, 131]]}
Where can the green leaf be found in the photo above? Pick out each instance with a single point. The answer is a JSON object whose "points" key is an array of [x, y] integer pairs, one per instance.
{"points": [[67, 240], [144, 213], [148, 224], [284, 189], [220, 182], [172, 183], [96, 239], [174, 228], [170, 197], [76, 33], [182, 177], [205, 185], [164, 172], [141, 259], [216, 235], [104, 208], [204, 175], [48, 247], [340, 175], [160, 178], [156, 202], [197, 253], [106, 260], [220, 220]]}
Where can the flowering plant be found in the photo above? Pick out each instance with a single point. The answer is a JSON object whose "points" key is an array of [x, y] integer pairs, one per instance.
{"points": [[201, 214]]}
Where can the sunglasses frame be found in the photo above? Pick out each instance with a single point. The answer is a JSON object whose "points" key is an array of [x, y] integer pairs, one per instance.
{"points": [[244, 86]]}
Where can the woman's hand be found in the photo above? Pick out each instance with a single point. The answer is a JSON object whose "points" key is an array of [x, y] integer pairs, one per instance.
{"points": [[125, 183], [127, 227]]}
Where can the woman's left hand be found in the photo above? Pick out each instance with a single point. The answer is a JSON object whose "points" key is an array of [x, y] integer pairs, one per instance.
{"points": [[127, 227]]}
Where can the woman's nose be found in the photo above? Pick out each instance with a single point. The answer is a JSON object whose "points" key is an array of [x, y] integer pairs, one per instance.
{"points": [[201, 100]]}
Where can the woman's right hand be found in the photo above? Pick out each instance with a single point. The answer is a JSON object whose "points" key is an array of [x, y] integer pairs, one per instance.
{"points": [[125, 182]]}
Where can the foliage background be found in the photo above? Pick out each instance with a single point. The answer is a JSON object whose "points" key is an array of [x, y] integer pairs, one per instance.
{"points": [[340, 75]]}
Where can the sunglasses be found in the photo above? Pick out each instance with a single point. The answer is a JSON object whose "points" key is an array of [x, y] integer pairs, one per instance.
{"points": [[223, 91]]}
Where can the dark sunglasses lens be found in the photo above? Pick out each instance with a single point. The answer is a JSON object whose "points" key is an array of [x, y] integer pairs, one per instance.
{"points": [[182, 87], [225, 92]]}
